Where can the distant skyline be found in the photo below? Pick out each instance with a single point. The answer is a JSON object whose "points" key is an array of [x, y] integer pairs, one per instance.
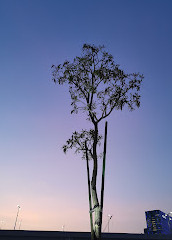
{"points": [[35, 121]]}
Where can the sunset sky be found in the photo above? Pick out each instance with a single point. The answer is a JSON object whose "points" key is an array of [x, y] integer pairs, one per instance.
{"points": [[35, 119]]}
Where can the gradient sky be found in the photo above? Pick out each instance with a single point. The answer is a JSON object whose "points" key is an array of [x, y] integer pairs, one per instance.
{"points": [[35, 115]]}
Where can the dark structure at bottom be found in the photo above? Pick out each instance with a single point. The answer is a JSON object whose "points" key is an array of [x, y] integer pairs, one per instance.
{"points": [[158, 222], [52, 235]]}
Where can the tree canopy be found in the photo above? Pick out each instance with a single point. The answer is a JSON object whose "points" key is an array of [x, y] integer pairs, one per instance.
{"points": [[97, 85]]}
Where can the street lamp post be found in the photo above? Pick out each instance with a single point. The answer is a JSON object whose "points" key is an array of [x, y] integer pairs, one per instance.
{"points": [[107, 225], [1, 223], [63, 226], [110, 216], [20, 224], [18, 208]]}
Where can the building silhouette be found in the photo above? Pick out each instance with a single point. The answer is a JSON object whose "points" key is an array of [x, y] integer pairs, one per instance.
{"points": [[158, 222]]}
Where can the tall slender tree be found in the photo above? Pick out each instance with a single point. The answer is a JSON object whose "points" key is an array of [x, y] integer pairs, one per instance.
{"points": [[97, 86]]}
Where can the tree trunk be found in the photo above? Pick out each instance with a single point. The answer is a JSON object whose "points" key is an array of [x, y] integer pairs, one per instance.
{"points": [[103, 175], [97, 223], [96, 205], [97, 215], [98, 208], [89, 194]]}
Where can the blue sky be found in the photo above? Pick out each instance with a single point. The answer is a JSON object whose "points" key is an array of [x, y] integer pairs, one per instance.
{"points": [[35, 114]]}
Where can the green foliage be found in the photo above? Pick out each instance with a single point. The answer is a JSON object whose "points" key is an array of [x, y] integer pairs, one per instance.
{"points": [[78, 141], [97, 85]]}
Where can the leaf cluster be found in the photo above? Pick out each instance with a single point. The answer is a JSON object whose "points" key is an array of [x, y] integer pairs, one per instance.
{"points": [[79, 141], [97, 85]]}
